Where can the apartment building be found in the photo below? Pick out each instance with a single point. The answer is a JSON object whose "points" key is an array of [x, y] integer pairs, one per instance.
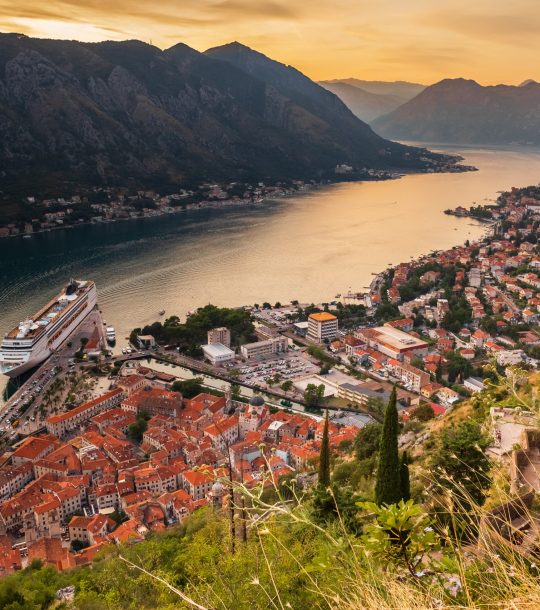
{"points": [[262, 349], [90, 529], [413, 378], [223, 433], [60, 425], [15, 478], [154, 401], [219, 335], [322, 326], [197, 483]]}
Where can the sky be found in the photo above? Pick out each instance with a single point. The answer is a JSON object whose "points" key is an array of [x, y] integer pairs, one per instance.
{"points": [[491, 41]]}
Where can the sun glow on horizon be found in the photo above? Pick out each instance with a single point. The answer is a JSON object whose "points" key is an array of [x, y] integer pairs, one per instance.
{"points": [[490, 41]]}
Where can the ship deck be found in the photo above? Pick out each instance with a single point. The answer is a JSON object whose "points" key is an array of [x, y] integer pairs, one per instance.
{"points": [[48, 309]]}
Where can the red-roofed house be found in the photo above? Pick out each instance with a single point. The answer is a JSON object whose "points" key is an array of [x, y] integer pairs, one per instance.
{"points": [[59, 425], [90, 529]]}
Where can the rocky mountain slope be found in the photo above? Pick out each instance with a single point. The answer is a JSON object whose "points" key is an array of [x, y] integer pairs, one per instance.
{"points": [[127, 112], [462, 111]]}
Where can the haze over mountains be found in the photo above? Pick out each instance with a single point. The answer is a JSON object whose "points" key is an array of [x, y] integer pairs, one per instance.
{"points": [[369, 100], [107, 113], [459, 111]]}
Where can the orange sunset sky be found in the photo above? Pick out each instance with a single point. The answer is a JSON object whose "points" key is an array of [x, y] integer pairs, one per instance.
{"points": [[421, 40]]}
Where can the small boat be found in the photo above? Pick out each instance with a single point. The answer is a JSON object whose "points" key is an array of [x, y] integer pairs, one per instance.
{"points": [[162, 312], [111, 335]]}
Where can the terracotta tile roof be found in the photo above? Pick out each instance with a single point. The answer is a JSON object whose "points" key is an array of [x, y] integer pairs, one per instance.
{"points": [[82, 408], [34, 446], [51, 551], [323, 316], [197, 477]]}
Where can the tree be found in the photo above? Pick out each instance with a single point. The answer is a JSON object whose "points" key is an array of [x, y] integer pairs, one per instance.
{"points": [[388, 485], [324, 457], [287, 385], [189, 387], [235, 391], [78, 545], [461, 465], [439, 371], [337, 503], [424, 412], [314, 395], [376, 406], [367, 441], [405, 478], [136, 430]]}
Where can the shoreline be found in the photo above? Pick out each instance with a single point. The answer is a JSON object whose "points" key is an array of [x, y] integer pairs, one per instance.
{"points": [[239, 204], [221, 205]]}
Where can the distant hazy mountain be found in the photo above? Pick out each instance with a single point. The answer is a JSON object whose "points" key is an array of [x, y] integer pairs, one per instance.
{"points": [[364, 104], [462, 111], [127, 112], [399, 88], [369, 100]]}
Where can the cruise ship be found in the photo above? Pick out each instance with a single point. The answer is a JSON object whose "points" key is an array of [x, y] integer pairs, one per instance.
{"points": [[35, 339]]}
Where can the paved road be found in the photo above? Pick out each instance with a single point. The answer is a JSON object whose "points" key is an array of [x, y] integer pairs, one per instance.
{"points": [[30, 394]]}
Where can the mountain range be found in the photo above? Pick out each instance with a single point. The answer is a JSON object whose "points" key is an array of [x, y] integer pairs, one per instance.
{"points": [[74, 113], [369, 100], [459, 111]]}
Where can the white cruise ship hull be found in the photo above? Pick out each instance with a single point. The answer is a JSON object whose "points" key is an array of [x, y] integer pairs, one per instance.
{"points": [[17, 358], [16, 371]]}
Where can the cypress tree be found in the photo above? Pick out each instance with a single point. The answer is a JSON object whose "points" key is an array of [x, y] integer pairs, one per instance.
{"points": [[404, 476], [388, 485], [324, 458], [439, 371]]}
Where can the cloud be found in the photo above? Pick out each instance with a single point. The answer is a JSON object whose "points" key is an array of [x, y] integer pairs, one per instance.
{"points": [[418, 39], [490, 23], [254, 8]]}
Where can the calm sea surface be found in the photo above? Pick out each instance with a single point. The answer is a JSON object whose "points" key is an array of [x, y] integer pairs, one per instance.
{"points": [[308, 247]]}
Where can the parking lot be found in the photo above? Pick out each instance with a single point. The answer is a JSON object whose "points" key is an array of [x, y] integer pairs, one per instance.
{"points": [[275, 317], [20, 410], [288, 366]]}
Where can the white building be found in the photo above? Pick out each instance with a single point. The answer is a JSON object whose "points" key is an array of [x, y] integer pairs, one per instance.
{"points": [[510, 357], [217, 353], [474, 384], [251, 417], [392, 342], [262, 349], [322, 326]]}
